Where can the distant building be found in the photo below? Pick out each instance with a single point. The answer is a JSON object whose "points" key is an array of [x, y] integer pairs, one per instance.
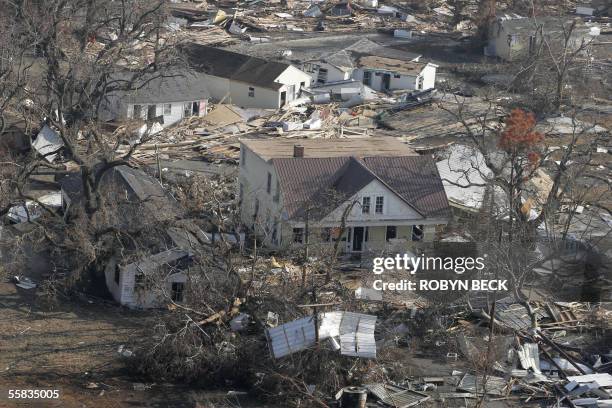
{"points": [[395, 196], [164, 97], [378, 67], [247, 81], [388, 74], [513, 37]]}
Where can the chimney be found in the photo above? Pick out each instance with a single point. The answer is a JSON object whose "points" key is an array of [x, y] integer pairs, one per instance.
{"points": [[298, 150]]}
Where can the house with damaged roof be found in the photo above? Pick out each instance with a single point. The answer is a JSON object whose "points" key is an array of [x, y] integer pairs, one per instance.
{"points": [[162, 97], [246, 81], [379, 67], [386, 196]]}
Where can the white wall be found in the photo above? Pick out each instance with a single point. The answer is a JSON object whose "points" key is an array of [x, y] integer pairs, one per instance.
{"points": [[399, 80], [254, 178], [334, 74], [176, 111], [126, 294], [395, 209]]}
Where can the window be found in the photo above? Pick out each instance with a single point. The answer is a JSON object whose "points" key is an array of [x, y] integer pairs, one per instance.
{"points": [[367, 78], [298, 235], [139, 279], [151, 112], [365, 205], [302, 85], [391, 232], [397, 76], [417, 232], [269, 184], [325, 234], [178, 289], [117, 274], [256, 208], [137, 112], [380, 201], [275, 231], [276, 196], [251, 92], [187, 109], [322, 77], [168, 109], [420, 81]]}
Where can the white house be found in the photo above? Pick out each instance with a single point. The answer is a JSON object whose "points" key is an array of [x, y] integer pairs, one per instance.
{"points": [[165, 97], [247, 81], [388, 74], [512, 37], [149, 282], [379, 67], [332, 68], [395, 196]]}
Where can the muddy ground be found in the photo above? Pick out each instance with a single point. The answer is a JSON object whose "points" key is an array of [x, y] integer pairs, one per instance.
{"points": [[73, 347]]}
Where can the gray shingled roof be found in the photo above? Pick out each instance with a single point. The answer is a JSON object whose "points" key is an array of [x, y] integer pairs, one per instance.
{"points": [[235, 66], [308, 181], [168, 87]]}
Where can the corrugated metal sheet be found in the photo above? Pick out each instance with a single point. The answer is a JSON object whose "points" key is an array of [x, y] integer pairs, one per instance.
{"points": [[494, 385], [355, 330], [291, 337], [396, 397], [529, 354], [357, 335]]}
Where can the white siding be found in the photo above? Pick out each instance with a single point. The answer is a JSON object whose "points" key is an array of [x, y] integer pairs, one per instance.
{"points": [[399, 80], [395, 210], [334, 74]]}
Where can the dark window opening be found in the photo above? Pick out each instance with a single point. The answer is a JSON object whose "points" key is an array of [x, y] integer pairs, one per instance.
{"points": [[298, 235], [417, 232], [151, 112], [251, 92], [391, 232], [178, 289], [367, 78], [269, 184], [137, 112], [325, 234], [117, 274], [139, 280]]}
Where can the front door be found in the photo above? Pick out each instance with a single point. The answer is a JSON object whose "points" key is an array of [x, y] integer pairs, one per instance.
{"points": [[358, 239], [283, 98]]}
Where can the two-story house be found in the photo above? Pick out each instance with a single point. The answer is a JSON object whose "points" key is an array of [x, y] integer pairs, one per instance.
{"points": [[370, 194]]}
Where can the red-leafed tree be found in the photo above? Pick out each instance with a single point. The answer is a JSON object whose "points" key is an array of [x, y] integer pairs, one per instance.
{"points": [[523, 147]]}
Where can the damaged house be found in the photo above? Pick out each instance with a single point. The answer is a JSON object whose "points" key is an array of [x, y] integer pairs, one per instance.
{"points": [[147, 274], [246, 81], [165, 98], [512, 37], [379, 67], [387, 196]]}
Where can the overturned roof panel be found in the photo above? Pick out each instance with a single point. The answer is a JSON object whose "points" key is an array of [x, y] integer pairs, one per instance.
{"points": [[48, 143], [291, 337]]}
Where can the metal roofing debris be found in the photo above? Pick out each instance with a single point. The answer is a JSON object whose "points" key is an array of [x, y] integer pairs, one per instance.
{"points": [[493, 385], [395, 396], [357, 335], [529, 355], [291, 337], [48, 143], [368, 294], [603, 380], [355, 330]]}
